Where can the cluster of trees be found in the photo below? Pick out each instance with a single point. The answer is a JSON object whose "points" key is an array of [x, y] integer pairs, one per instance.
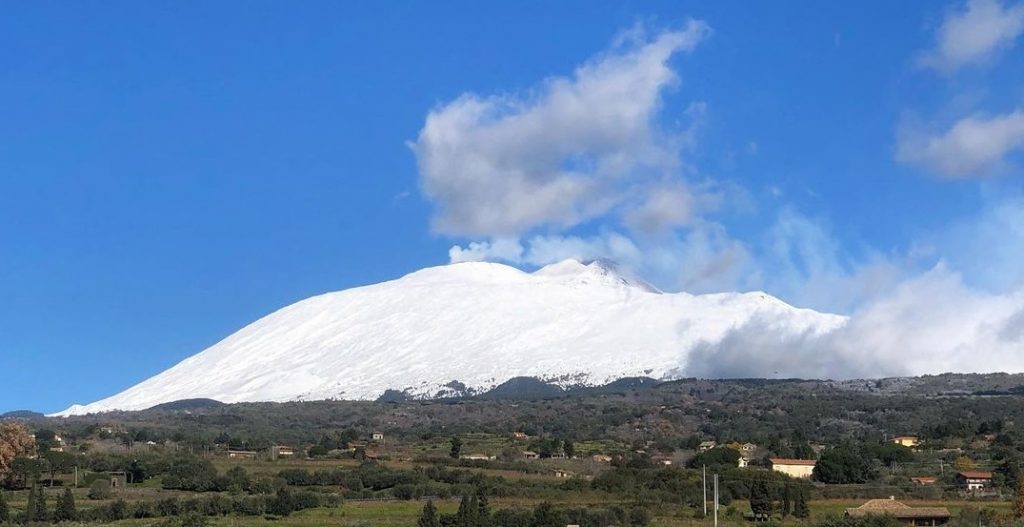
{"points": [[281, 503], [767, 498], [474, 511]]}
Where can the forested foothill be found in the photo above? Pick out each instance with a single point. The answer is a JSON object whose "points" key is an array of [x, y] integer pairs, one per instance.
{"points": [[632, 454]]}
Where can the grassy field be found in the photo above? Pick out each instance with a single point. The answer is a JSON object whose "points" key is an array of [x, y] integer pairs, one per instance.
{"points": [[405, 513]]}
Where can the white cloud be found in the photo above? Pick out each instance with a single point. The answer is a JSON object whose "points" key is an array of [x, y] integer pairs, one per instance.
{"points": [[570, 150], [975, 146], [930, 324], [975, 34], [505, 249]]}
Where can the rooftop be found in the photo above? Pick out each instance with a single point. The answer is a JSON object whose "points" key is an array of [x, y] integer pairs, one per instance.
{"points": [[784, 461], [897, 510]]}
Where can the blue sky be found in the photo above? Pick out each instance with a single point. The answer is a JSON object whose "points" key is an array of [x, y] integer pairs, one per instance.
{"points": [[171, 172]]}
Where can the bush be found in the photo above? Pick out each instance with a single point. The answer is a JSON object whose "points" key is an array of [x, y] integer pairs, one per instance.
{"points": [[100, 490]]}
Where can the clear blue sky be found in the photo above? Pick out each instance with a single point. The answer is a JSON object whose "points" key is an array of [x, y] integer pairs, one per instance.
{"points": [[170, 172]]}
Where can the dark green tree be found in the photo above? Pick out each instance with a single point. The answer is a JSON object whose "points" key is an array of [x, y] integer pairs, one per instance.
{"points": [[844, 464], [787, 499], [718, 458], [800, 508], [465, 517], [760, 498], [456, 450], [282, 503], [65, 510], [38, 510], [545, 515], [483, 508], [639, 517], [569, 449], [428, 518], [5, 512]]}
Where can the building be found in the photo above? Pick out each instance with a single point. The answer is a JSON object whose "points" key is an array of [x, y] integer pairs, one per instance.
{"points": [[477, 457], [519, 436], [279, 451], [118, 480], [377, 436], [796, 468], [905, 514], [925, 480], [242, 454], [742, 462], [564, 474], [601, 458], [530, 454], [973, 480], [706, 445], [748, 449], [907, 441]]}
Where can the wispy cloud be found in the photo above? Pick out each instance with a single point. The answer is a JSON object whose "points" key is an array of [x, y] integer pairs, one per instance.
{"points": [[973, 34], [975, 146]]}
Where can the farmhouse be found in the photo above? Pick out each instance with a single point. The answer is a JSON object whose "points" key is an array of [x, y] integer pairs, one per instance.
{"points": [[905, 514], [564, 474], [278, 451], [601, 458], [796, 468], [706, 445], [519, 436], [973, 480], [907, 441], [477, 457], [377, 436], [925, 480], [528, 454], [242, 454]]}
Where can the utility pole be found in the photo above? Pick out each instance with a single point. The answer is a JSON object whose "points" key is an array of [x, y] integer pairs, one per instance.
{"points": [[704, 482], [716, 500], [76, 476]]}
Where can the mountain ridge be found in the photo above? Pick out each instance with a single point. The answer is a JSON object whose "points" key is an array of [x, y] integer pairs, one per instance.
{"points": [[480, 324]]}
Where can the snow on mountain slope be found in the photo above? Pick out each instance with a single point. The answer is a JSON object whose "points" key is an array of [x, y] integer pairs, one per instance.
{"points": [[477, 323]]}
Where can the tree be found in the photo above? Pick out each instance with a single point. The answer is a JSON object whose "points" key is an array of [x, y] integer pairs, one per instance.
{"points": [[787, 499], [15, 442], [5, 512], [61, 462], [545, 515], [889, 453], [428, 518], [1018, 500], [483, 508], [456, 450], [800, 508], [37, 509], [842, 465], [65, 511], [569, 449], [282, 504], [964, 463], [718, 458], [639, 517], [464, 517], [760, 498], [100, 490]]}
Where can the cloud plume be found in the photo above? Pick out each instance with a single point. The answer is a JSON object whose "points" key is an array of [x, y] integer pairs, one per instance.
{"points": [[568, 151]]}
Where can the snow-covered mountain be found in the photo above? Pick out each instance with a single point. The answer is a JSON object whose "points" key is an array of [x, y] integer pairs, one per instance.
{"points": [[477, 323]]}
